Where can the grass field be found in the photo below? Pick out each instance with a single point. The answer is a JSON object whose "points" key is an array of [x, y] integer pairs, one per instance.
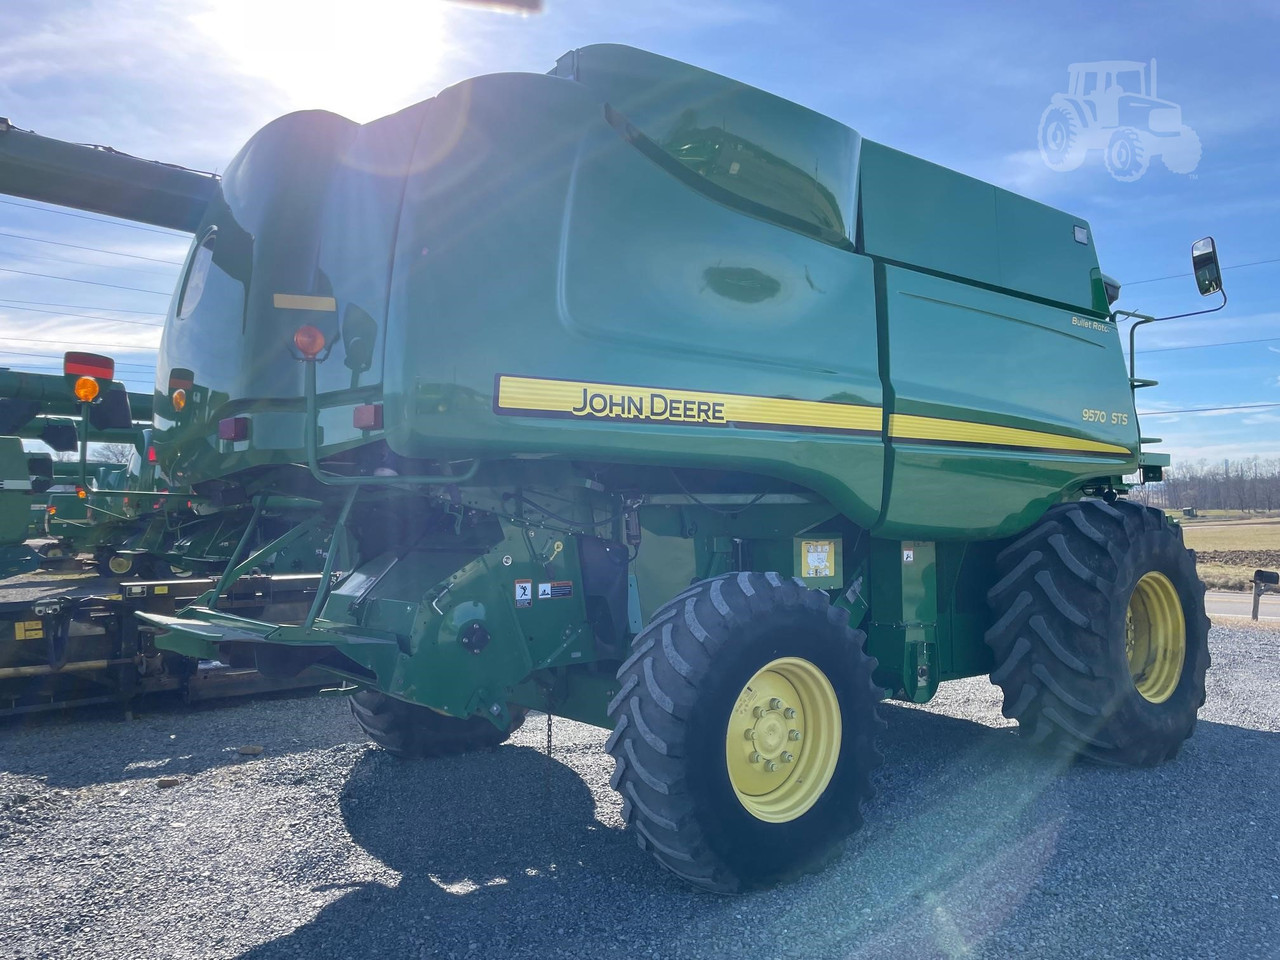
{"points": [[1228, 551]]}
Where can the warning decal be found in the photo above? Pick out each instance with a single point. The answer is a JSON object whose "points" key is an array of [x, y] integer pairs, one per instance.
{"points": [[556, 588], [524, 593], [818, 558]]}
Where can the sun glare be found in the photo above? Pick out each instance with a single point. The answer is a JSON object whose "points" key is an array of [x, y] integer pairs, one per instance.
{"points": [[359, 59]]}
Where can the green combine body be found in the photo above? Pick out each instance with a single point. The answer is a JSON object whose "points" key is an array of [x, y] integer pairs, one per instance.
{"points": [[633, 394]]}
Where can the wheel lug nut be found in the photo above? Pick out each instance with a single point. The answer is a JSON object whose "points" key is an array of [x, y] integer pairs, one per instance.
{"points": [[793, 734], [754, 758], [750, 734], [786, 758], [758, 712], [775, 704], [789, 713], [770, 766]]}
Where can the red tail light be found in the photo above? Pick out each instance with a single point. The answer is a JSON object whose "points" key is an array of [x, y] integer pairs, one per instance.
{"points": [[233, 428], [151, 454], [367, 416]]}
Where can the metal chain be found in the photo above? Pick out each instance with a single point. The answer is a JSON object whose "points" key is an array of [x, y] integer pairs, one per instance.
{"points": [[548, 733]]}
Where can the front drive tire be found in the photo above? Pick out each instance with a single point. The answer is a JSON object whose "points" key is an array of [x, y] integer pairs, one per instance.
{"points": [[1100, 635], [741, 655], [1126, 156], [415, 732]]}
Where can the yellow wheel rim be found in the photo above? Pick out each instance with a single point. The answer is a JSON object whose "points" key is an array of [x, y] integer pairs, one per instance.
{"points": [[783, 739], [1155, 637], [118, 564]]}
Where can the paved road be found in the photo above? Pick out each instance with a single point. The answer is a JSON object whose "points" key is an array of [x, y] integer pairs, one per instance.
{"points": [[1228, 603]]}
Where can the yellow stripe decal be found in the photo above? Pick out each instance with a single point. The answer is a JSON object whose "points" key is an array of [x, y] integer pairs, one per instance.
{"points": [[296, 301], [586, 400], [527, 396], [908, 427]]}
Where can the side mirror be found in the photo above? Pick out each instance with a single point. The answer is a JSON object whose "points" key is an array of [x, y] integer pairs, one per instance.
{"points": [[1204, 261]]}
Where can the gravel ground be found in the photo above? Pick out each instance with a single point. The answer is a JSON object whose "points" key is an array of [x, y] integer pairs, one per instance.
{"points": [[325, 847]]}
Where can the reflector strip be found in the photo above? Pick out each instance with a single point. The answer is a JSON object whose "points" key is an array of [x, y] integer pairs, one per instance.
{"points": [[367, 416], [76, 364], [233, 428], [296, 301]]}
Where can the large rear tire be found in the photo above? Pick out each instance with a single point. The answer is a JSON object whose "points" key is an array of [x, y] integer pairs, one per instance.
{"points": [[415, 732], [744, 735], [1101, 639]]}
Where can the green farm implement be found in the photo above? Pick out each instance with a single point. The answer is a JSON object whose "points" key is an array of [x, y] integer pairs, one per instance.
{"points": [[635, 395]]}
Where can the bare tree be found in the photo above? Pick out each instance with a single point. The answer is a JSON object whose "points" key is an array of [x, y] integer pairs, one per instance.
{"points": [[99, 453], [110, 452], [1248, 484]]}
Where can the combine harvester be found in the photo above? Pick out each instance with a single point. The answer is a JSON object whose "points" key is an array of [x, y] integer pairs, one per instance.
{"points": [[639, 396], [50, 408], [68, 643]]}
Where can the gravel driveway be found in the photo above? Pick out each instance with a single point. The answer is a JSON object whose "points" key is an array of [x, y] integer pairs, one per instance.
{"points": [[325, 847]]}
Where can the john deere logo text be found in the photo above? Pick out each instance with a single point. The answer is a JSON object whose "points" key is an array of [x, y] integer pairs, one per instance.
{"points": [[580, 400], [647, 406]]}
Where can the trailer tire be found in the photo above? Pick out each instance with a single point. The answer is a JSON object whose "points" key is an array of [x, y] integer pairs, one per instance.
{"points": [[1100, 635], [713, 659], [415, 732], [115, 565]]}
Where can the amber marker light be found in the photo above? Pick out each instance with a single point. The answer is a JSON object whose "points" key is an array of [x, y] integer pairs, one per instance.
{"points": [[179, 399], [86, 389], [309, 341], [80, 492]]}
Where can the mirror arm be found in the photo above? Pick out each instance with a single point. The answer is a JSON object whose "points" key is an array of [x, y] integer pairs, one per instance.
{"points": [[1140, 318]]}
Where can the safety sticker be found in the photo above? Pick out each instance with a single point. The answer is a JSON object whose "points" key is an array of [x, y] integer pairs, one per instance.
{"points": [[524, 593], [554, 589], [29, 629], [818, 556]]}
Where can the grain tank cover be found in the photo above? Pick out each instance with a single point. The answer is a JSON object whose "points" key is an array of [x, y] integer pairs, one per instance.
{"points": [[769, 157]]}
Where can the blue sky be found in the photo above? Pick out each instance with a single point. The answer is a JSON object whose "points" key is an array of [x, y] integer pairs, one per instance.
{"points": [[960, 84]]}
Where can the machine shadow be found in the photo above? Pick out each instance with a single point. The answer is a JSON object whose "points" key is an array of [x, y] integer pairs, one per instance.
{"points": [[489, 847], [501, 854], [52, 747]]}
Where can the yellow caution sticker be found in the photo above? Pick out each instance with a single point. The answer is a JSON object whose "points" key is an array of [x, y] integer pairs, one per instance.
{"points": [[29, 629], [818, 557]]}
